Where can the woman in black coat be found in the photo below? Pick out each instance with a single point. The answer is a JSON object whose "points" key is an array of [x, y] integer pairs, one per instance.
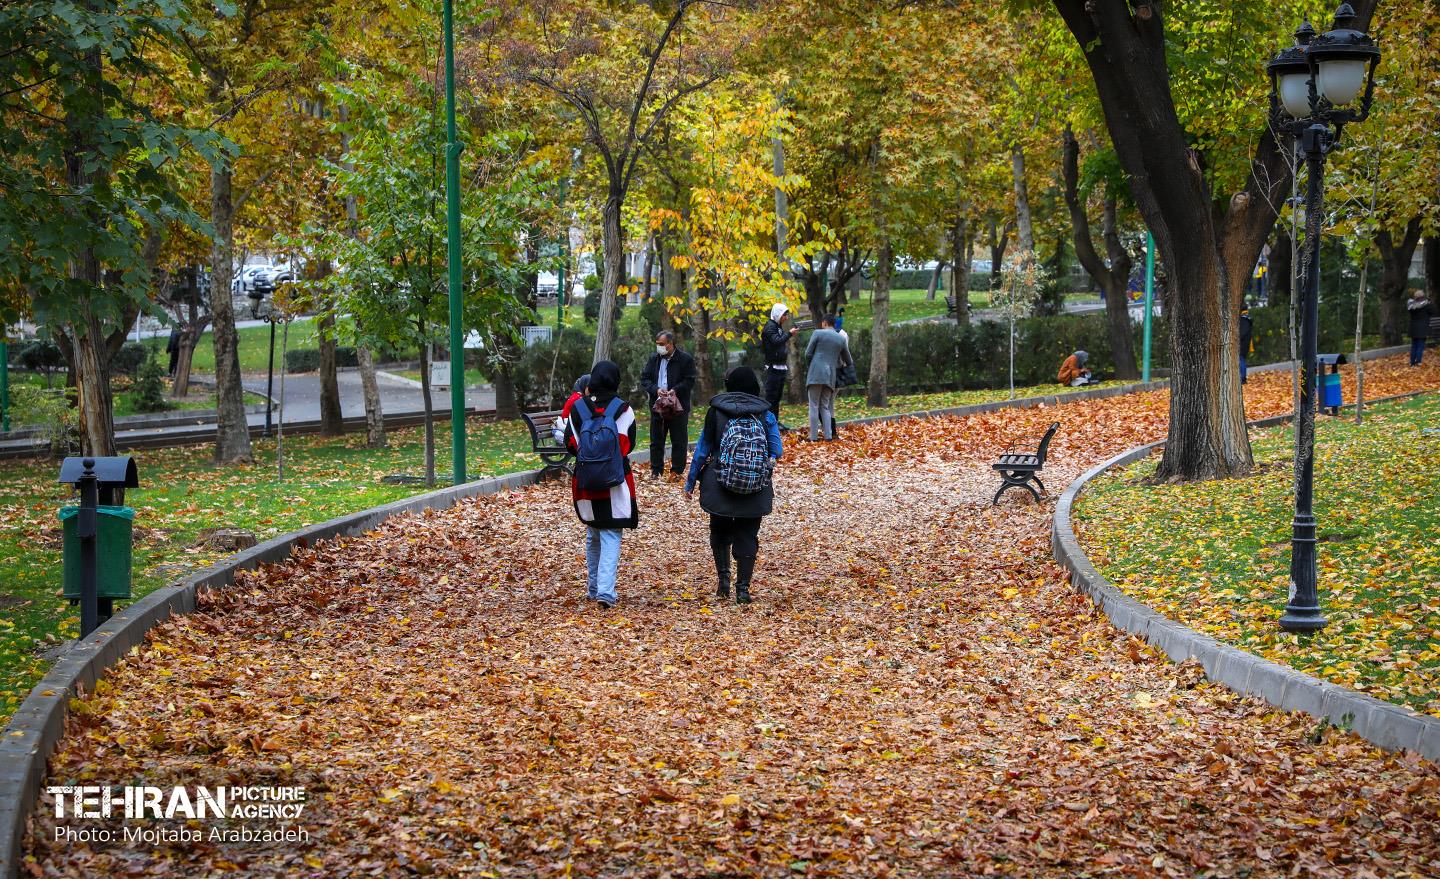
{"points": [[734, 518], [1420, 309]]}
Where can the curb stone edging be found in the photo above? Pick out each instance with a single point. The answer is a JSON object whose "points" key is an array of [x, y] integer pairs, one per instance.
{"points": [[33, 732], [1382, 723]]}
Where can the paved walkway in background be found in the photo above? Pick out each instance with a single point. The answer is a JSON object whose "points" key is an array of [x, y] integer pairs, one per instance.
{"points": [[917, 692]]}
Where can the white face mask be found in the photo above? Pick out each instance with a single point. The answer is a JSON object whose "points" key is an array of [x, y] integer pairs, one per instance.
{"points": [[661, 350]]}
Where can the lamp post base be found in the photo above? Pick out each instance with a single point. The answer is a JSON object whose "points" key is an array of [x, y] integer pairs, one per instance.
{"points": [[1302, 619]]}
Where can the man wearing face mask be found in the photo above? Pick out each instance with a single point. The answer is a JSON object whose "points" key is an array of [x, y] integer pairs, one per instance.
{"points": [[668, 378]]}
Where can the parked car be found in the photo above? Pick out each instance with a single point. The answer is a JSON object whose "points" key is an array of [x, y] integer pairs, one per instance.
{"points": [[244, 280]]}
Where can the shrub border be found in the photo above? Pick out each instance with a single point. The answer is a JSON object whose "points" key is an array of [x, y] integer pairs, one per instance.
{"points": [[1382, 723]]}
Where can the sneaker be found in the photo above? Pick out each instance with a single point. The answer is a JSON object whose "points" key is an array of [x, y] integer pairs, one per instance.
{"points": [[605, 603]]}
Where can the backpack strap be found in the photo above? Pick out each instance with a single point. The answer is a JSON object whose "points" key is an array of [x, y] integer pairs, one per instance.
{"points": [[613, 409], [582, 408]]}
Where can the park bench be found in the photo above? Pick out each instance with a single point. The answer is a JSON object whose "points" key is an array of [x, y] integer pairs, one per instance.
{"points": [[950, 309], [1020, 469], [1434, 336], [554, 456]]}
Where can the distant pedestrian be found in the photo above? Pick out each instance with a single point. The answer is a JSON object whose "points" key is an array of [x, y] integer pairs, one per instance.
{"points": [[1420, 309], [734, 458], [563, 418], [668, 378], [172, 347], [600, 431], [1073, 371], [1247, 331], [775, 345], [828, 353]]}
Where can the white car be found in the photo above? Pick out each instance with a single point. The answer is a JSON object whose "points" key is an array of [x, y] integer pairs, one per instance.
{"points": [[244, 281]]}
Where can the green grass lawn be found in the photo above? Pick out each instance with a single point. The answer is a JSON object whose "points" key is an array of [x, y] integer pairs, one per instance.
{"points": [[184, 493], [1216, 555], [255, 346]]}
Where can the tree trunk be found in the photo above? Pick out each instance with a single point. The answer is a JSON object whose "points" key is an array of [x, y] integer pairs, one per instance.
{"points": [[370, 388], [507, 404], [1113, 280], [1117, 305], [92, 381], [962, 251], [1396, 257], [613, 243], [1022, 201], [232, 431], [999, 241], [649, 268], [1431, 260], [1277, 275], [672, 284], [700, 322], [429, 406], [877, 391], [934, 280], [332, 421]]}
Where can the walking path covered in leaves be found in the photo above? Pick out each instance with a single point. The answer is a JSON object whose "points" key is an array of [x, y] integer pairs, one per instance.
{"points": [[917, 692]]}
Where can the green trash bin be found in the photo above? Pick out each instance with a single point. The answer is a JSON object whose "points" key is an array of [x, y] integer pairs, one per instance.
{"points": [[112, 551]]}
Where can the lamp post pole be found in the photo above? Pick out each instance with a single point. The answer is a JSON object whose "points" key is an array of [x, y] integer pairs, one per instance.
{"points": [[1302, 612], [452, 247], [1311, 84]]}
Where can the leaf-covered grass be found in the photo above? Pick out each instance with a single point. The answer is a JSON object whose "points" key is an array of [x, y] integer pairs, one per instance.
{"points": [[1215, 556]]}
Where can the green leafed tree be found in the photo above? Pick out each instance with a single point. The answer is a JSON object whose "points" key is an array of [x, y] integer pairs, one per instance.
{"points": [[84, 182]]}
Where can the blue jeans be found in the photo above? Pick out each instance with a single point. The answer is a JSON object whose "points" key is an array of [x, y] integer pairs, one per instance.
{"points": [[1417, 351], [1243, 369], [602, 559]]}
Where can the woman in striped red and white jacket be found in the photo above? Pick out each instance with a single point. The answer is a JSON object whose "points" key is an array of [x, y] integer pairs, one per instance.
{"points": [[605, 512]]}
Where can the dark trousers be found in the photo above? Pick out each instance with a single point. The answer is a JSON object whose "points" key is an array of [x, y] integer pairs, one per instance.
{"points": [[775, 388], [1417, 351], [738, 537], [1244, 370], [678, 430]]}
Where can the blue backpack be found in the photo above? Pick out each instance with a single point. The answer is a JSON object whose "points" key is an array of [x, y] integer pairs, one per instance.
{"points": [[744, 459], [598, 462]]}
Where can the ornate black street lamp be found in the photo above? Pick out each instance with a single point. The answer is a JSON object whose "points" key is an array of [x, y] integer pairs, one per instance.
{"points": [[1312, 87]]}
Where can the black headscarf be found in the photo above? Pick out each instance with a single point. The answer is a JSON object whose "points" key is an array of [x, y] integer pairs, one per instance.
{"points": [[604, 383], [582, 383], [742, 380]]}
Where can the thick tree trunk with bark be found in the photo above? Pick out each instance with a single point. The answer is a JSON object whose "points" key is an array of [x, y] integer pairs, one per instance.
{"points": [[962, 251], [370, 390], [672, 284], [92, 382], [934, 285], [1395, 259], [1431, 259], [701, 320], [877, 391], [1208, 251], [232, 432], [1113, 279], [1277, 275], [507, 402], [999, 241], [1025, 229], [332, 420], [613, 245]]}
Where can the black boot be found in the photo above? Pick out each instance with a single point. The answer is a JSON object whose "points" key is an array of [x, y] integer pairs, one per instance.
{"points": [[721, 551], [744, 568]]}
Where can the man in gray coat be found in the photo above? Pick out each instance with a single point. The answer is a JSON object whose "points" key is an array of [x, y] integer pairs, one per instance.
{"points": [[827, 352]]}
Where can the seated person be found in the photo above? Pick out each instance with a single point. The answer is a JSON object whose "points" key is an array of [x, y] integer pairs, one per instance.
{"points": [[1073, 371]]}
